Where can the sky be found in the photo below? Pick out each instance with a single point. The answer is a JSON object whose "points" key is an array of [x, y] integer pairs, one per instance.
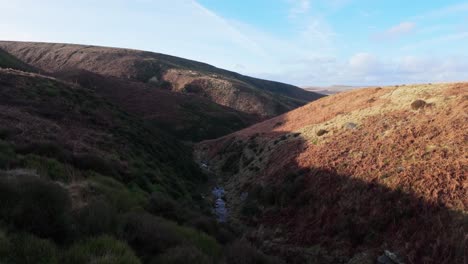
{"points": [[302, 42]]}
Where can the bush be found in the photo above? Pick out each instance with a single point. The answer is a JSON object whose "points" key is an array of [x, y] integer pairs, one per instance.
{"points": [[418, 104], [241, 252], [321, 132], [205, 243], [97, 218], [205, 224], [160, 204], [35, 205], [182, 255], [117, 194], [27, 249], [94, 163], [46, 167], [148, 234], [101, 250]]}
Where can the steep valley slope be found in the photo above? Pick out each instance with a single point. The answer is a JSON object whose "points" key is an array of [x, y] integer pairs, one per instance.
{"points": [[349, 176], [249, 95], [93, 169], [82, 181]]}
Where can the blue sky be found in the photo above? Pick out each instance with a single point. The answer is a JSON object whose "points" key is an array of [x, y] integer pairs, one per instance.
{"points": [[303, 42]]}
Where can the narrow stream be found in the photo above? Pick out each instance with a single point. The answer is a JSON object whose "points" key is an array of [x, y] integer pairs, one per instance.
{"points": [[220, 209]]}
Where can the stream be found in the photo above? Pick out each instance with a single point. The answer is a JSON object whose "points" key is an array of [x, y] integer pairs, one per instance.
{"points": [[220, 209]]}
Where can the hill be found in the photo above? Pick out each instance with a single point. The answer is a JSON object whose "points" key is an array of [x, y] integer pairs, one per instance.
{"points": [[329, 90], [82, 181], [186, 117], [9, 61], [351, 175], [245, 94]]}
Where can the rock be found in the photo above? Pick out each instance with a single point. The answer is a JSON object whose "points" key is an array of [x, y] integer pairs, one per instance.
{"points": [[394, 257], [389, 258], [321, 132], [350, 125], [384, 260], [363, 258], [418, 104]]}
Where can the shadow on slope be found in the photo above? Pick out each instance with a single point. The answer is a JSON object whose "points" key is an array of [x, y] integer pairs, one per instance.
{"points": [[187, 117], [310, 214]]}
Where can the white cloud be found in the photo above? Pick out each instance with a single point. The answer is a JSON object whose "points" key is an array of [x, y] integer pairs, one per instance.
{"points": [[299, 7], [396, 31], [311, 53], [364, 62]]}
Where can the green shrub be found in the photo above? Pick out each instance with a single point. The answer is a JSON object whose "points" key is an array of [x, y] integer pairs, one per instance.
{"points": [[95, 163], [28, 249], [97, 218], [117, 194], [161, 204], [101, 250], [149, 234], [205, 243], [205, 224], [35, 205], [182, 255], [47, 167]]}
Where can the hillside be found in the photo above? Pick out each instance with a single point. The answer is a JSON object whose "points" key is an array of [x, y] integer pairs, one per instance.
{"points": [[9, 61], [186, 117], [349, 176], [82, 181], [245, 94]]}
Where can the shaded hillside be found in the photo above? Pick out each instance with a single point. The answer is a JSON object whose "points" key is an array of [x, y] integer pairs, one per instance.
{"points": [[246, 94], [83, 182], [186, 117], [9, 61], [39, 111], [354, 174]]}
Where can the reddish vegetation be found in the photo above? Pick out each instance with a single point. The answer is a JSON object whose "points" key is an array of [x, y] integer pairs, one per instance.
{"points": [[395, 180]]}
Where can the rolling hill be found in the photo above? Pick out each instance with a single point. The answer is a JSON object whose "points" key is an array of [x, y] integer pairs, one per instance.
{"points": [[245, 94], [354, 177]]}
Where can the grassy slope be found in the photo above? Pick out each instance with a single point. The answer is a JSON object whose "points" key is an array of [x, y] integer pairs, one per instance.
{"points": [[361, 171]]}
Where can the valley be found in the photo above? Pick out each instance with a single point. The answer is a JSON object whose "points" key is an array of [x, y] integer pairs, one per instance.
{"points": [[113, 155]]}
